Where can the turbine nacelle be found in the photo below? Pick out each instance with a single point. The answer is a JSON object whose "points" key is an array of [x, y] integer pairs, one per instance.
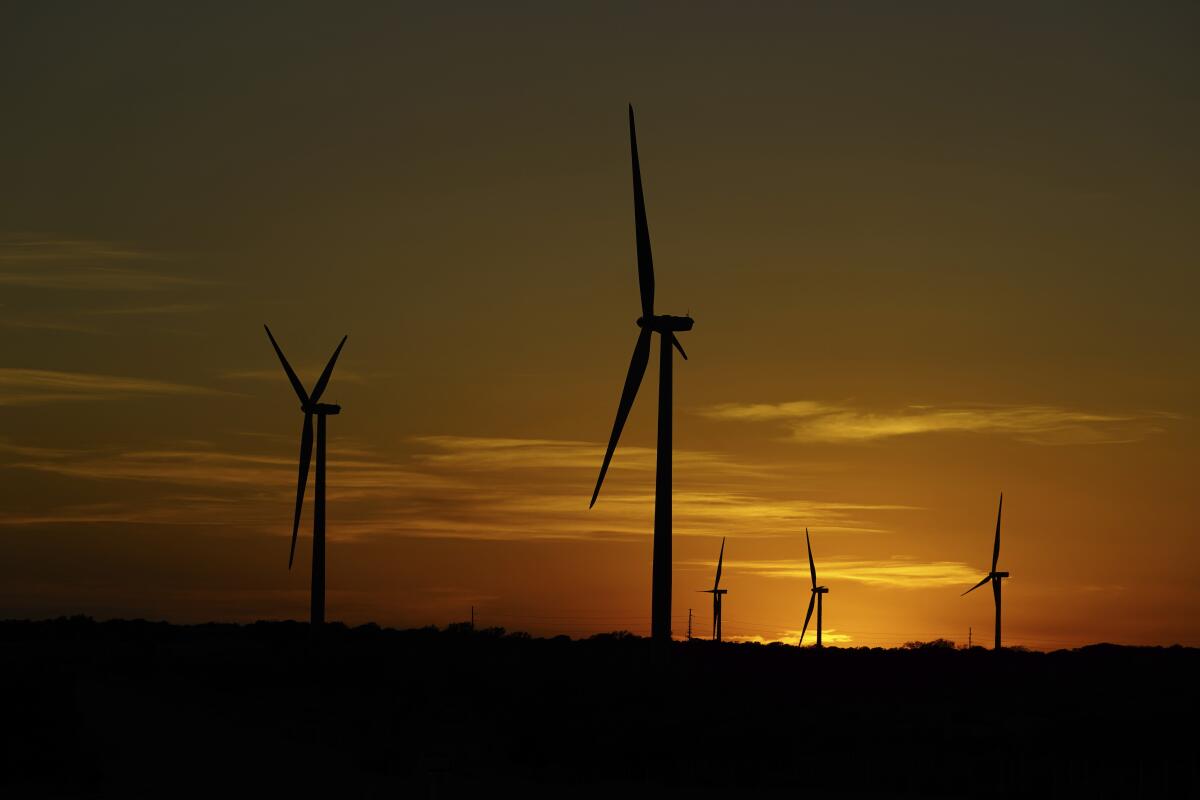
{"points": [[820, 590], [324, 409], [998, 575], [666, 323]]}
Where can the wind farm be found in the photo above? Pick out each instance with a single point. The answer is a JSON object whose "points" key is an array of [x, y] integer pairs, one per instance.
{"points": [[933, 256]]}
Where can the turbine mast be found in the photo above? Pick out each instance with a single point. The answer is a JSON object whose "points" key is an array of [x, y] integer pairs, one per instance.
{"points": [[660, 592], [317, 608], [820, 604], [996, 584]]}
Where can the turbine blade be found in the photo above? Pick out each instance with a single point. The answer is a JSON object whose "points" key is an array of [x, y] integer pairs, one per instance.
{"points": [[323, 381], [633, 379], [641, 229], [296, 384], [720, 560], [812, 568], [976, 586], [996, 548], [811, 602], [678, 346], [306, 446]]}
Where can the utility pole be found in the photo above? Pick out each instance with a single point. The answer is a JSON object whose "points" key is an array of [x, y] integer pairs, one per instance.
{"points": [[969, 631], [689, 624]]}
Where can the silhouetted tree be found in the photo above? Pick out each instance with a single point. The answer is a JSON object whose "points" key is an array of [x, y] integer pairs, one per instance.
{"points": [[936, 644]]}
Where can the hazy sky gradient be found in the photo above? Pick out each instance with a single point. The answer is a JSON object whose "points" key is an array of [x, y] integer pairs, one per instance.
{"points": [[933, 252]]}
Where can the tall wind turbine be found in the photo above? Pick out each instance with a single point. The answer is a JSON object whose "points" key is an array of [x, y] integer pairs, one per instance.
{"points": [[311, 406], [666, 327], [817, 593], [718, 593], [994, 576]]}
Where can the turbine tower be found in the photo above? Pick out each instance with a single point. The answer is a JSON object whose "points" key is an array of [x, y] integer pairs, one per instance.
{"points": [[666, 327], [311, 406], [817, 593], [994, 576], [718, 593]]}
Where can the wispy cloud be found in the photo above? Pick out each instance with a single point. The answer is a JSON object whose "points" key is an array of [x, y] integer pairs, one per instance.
{"points": [[33, 322], [80, 264], [211, 468], [173, 510], [717, 512], [812, 421], [485, 453], [31, 451], [162, 309], [766, 412], [276, 374], [450, 487], [27, 249], [94, 279], [36, 386], [899, 572]]}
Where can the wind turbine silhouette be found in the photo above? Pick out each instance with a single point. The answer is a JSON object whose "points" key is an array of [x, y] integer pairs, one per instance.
{"points": [[817, 593], [311, 406], [666, 326], [718, 593], [994, 576]]}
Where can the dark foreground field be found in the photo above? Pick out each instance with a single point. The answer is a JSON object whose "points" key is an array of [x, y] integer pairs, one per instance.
{"points": [[149, 709]]}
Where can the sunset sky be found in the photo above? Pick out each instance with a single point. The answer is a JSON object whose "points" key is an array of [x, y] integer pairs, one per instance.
{"points": [[933, 253]]}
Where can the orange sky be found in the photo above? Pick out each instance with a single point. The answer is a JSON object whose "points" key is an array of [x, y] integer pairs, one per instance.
{"points": [[931, 257]]}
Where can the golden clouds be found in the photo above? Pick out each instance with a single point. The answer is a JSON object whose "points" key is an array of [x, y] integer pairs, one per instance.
{"points": [[899, 572], [35, 386], [812, 421], [80, 265], [483, 453], [26, 249], [449, 487]]}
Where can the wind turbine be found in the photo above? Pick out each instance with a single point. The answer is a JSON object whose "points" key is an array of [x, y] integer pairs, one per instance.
{"points": [[311, 406], [666, 326], [994, 576], [817, 593], [717, 592]]}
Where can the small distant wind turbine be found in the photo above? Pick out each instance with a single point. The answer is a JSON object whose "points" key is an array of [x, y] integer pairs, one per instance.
{"points": [[817, 593], [994, 576], [666, 326], [718, 593], [311, 406]]}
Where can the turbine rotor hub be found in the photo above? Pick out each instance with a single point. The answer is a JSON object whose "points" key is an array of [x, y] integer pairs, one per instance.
{"points": [[323, 409], [666, 323]]}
